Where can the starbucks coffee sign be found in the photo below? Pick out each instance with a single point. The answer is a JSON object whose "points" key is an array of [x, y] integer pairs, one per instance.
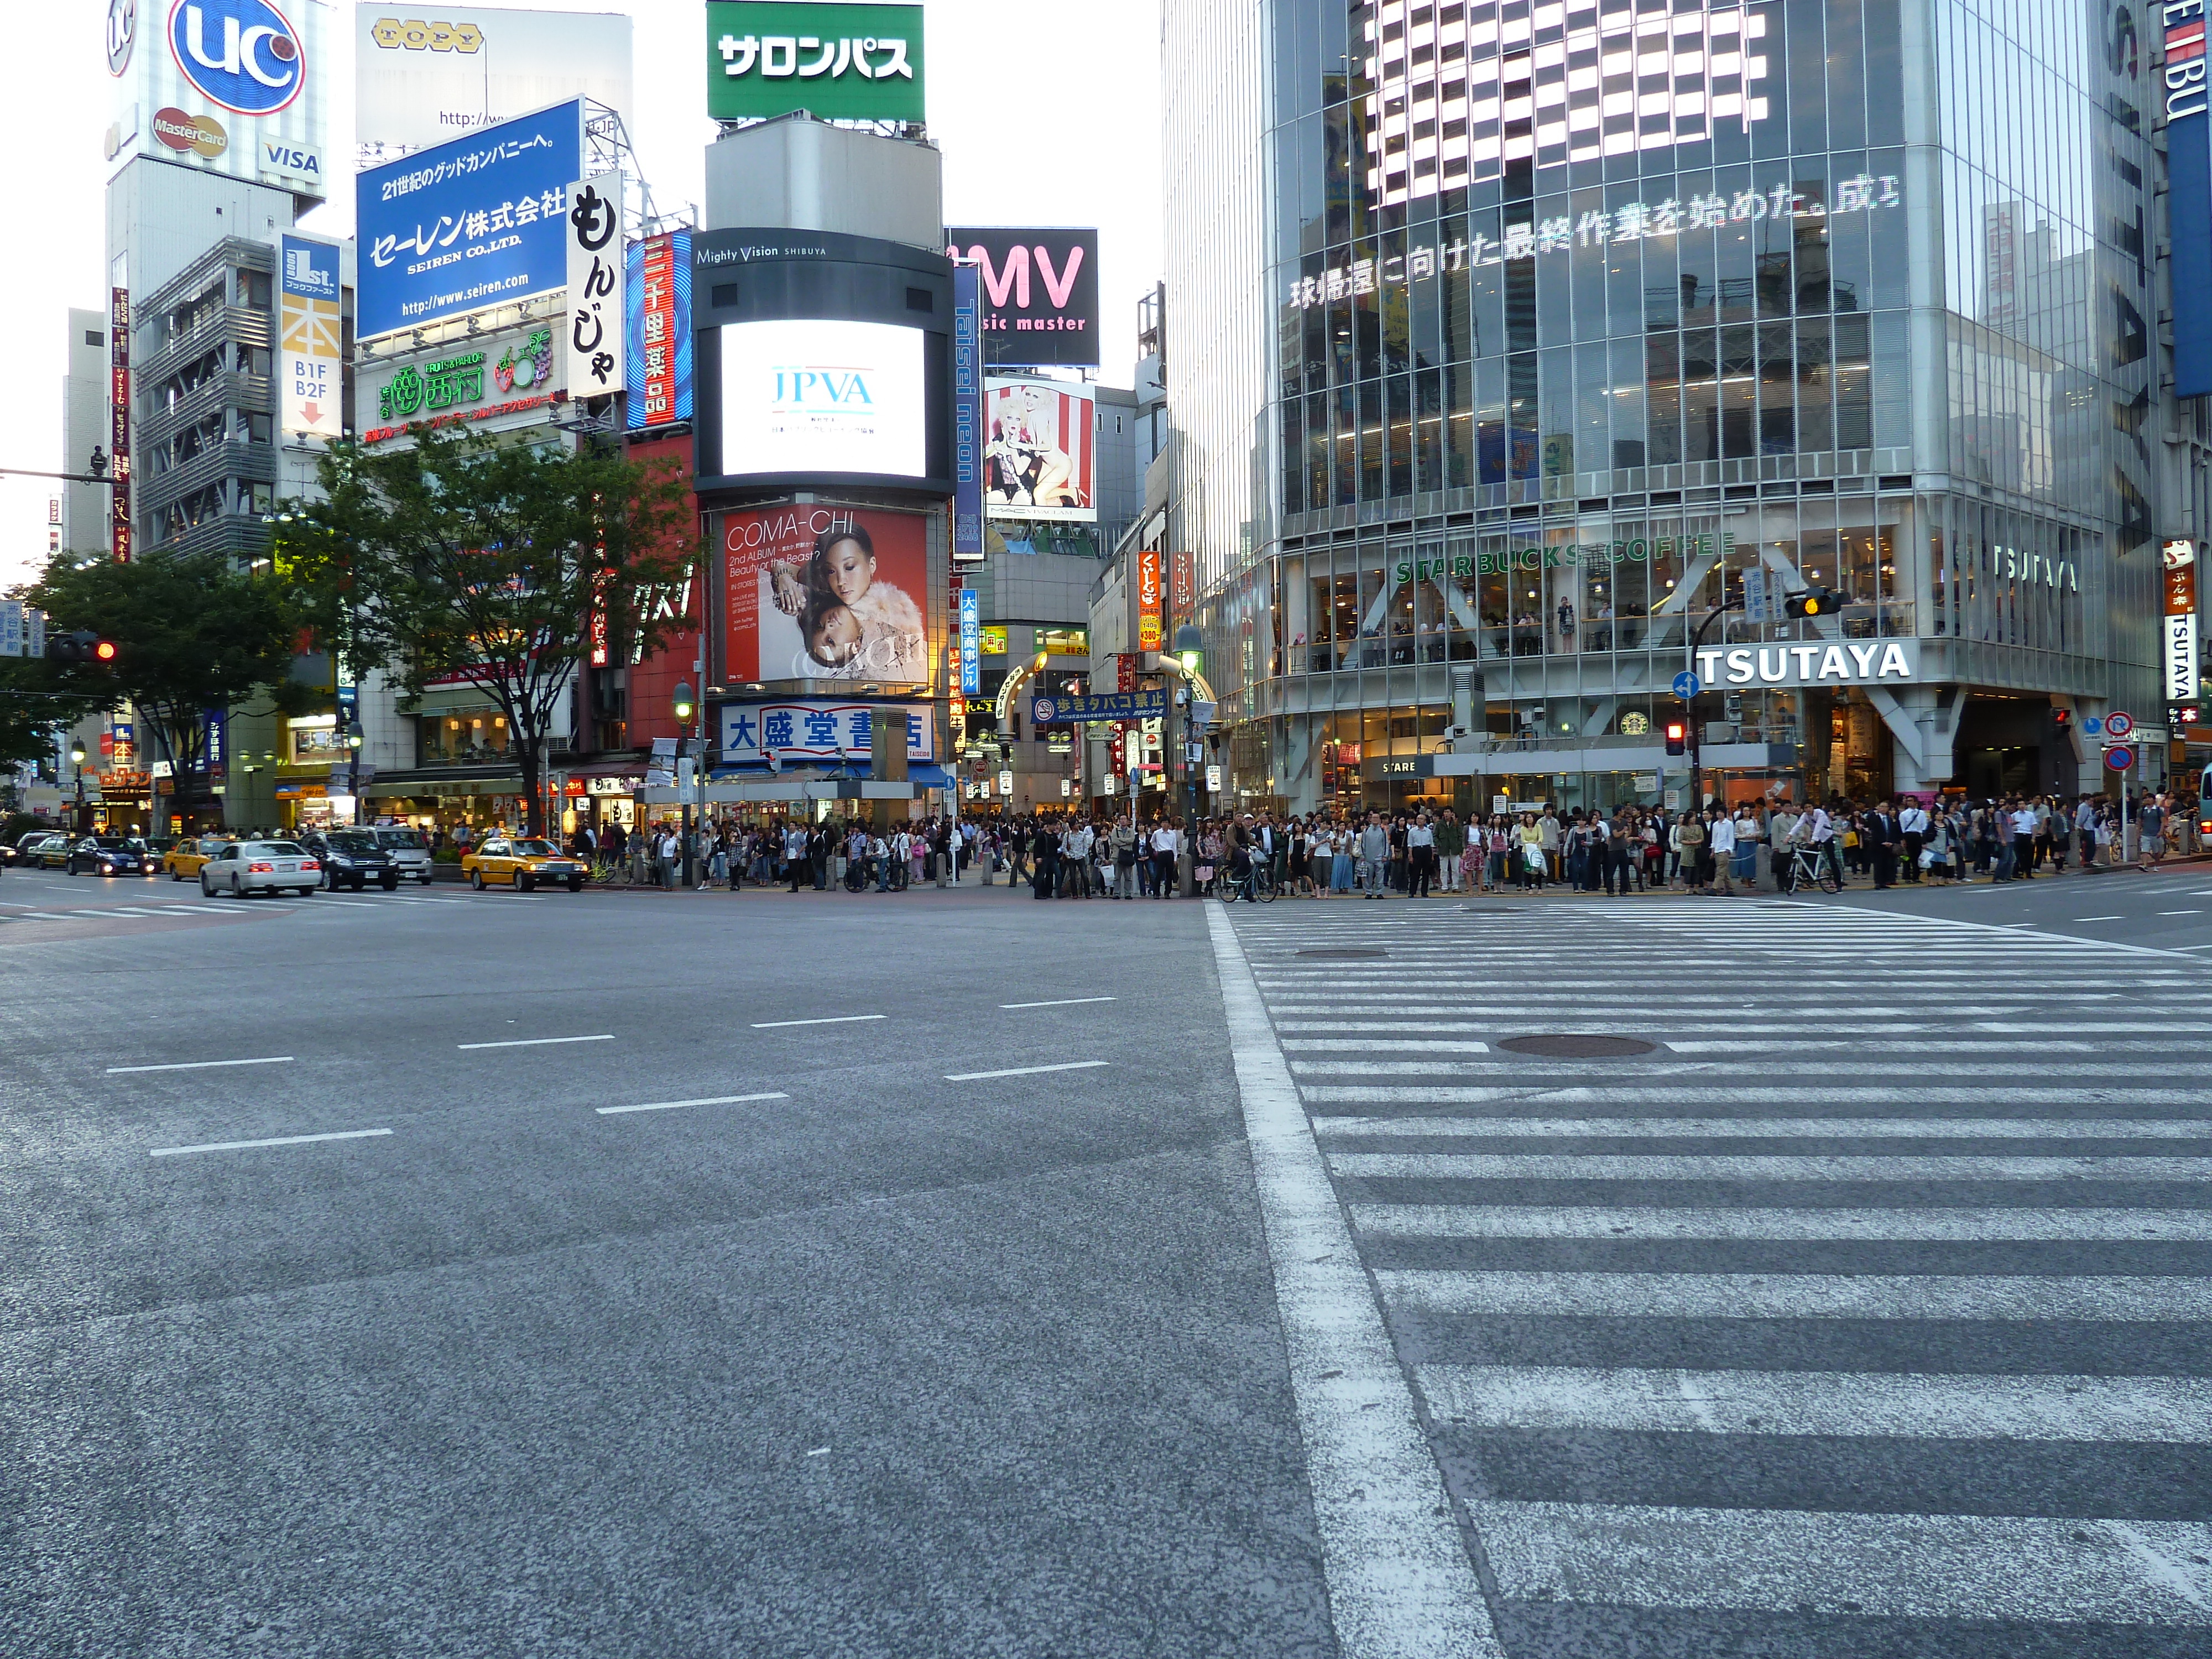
{"points": [[503, 380]]}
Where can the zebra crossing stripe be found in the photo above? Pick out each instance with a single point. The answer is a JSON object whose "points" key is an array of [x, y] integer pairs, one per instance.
{"points": [[1997, 1569], [1904, 1406], [1945, 1225], [2121, 1297]]}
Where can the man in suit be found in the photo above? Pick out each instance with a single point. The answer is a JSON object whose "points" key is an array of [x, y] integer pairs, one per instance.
{"points": [[1881, 828]]}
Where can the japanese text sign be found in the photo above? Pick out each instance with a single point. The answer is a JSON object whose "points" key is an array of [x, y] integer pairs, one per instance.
{"points": [[839, 62], [1098, 706], [477, 222], [597, 328], [312, 349], [1148, 599], [659, 288], [808, 729]]}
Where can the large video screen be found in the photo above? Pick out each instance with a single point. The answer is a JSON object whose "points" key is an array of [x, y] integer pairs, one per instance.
{"points": [[814, 396]]}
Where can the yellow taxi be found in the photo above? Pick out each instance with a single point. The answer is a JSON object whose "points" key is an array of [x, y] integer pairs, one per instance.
{"points": [[521, 863], [183, 861]]}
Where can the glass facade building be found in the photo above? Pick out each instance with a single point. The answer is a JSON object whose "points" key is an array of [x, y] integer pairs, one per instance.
{"points": [[1522, 355]]}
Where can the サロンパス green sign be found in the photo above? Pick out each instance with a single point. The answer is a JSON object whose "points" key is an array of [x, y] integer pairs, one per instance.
{"points": [[843, 62]]}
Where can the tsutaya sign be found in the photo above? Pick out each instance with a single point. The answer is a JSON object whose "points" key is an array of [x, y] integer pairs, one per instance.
{"points": [[1842, 662], [1633, 222]]}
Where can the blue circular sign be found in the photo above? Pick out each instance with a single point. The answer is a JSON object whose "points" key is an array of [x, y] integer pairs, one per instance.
{"points": [[2120, 756], [240, 55], [1687, 685]]}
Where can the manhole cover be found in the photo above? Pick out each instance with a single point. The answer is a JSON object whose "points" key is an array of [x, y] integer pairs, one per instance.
{"points": [[1575, 1045], [1345, 952]]}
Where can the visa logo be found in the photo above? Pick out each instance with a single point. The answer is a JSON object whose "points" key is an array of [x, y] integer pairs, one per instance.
{"points": [[281, 157], [817, 388]]}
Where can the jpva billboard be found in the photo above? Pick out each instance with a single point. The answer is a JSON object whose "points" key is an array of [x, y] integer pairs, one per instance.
{"points": [[467, 225]]}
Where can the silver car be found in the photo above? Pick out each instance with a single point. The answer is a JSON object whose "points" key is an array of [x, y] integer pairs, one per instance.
{"points": [[261, 866], [409, 849]]}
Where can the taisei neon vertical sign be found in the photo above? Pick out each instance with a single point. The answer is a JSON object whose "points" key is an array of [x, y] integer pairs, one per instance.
{"points": [[119, 413], [2188, 173], [967, 416]]}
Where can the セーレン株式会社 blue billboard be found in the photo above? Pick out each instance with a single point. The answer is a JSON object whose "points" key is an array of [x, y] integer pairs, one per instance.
{"points": [[468, 225]]}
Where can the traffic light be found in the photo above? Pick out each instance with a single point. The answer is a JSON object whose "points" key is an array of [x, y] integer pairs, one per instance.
{"points": [[683, 702], [2062, 718], [1812, 602], [80, 649], [1678, 735]]}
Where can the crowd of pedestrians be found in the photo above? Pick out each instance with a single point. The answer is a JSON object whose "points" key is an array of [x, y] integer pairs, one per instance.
{"points": [[1619, 850]]}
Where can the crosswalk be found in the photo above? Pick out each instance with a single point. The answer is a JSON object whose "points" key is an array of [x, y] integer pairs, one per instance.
{"points": [[1869, 1311]]}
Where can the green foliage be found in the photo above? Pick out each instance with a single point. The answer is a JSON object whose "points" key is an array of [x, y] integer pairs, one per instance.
{"points": [[193, 634], [499, 562]]}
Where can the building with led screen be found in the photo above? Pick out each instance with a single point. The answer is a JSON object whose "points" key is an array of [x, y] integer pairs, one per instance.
{"points": [[1525, 356]]}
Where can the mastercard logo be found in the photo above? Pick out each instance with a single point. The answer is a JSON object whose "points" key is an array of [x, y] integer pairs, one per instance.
{"points": [[200, 134]]}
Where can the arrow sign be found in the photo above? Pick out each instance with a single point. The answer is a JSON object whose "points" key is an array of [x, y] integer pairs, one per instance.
{"points": [[1687, 685], [2118, 725]]}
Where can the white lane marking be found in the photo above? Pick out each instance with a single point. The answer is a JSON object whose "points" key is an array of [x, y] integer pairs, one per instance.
{"points": [[2174, 1411], [45, 915], [2193, 947], [2100, 918], [2117, 1297], [1401, 1585], [203, 1065], [1057, 1002], [1777, 1128], [2181, 913], [1838, 1166], [353, 904], [277, 1140], [834, 1019], [1026, 1071], [1960, 1567], [1947, 1225], [671, 1105], [536, 1042]]}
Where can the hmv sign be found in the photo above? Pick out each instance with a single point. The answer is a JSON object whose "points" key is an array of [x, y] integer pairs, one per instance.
{"points": [[1040, 294]]}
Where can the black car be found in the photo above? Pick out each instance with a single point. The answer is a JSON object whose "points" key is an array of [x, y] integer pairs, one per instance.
{"points": [[13, 852], [353, 858], [107, 855]]}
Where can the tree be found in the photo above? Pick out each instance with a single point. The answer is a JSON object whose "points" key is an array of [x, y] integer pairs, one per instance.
{"points": [[194, 635], [503, 564]]}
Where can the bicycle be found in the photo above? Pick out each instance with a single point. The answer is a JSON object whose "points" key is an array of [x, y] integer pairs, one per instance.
{"points": [[1810, 864], [1256, 885]]}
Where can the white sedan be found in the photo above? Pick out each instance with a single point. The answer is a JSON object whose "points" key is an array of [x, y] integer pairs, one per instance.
{"points": [[261, 866]]}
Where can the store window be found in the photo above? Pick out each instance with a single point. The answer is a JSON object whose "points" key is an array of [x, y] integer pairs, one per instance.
{"points": [[460, 736], [316, 744]]}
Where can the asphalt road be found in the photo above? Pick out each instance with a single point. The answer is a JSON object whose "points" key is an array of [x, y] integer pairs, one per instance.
{"points": [[883, 1364], [667, 1274]]}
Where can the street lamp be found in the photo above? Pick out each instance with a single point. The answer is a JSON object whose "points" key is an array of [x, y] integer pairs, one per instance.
{"points": [[1190, 647], [685, 705], [353, 736], [76, 765]]}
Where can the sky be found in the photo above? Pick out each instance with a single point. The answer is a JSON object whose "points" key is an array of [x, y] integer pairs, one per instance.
{"points": [[1048, 114]]}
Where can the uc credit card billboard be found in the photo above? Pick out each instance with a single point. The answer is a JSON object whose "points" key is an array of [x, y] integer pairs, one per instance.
{"points": [[470, 224]]}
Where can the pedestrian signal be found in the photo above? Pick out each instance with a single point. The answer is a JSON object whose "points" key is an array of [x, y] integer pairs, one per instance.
{"points": [[1678, 733]]}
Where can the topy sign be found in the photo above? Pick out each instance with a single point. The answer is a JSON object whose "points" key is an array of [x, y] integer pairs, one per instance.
{"points": [[240, 55]]}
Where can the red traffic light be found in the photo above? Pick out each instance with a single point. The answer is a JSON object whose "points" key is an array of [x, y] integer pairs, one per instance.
{"points": [[1677, 734], [103, 651]]}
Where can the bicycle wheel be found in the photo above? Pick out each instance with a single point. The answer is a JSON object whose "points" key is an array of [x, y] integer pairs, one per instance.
{"points": [[1263, 890], [1225, 890], [1830, 881]]}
